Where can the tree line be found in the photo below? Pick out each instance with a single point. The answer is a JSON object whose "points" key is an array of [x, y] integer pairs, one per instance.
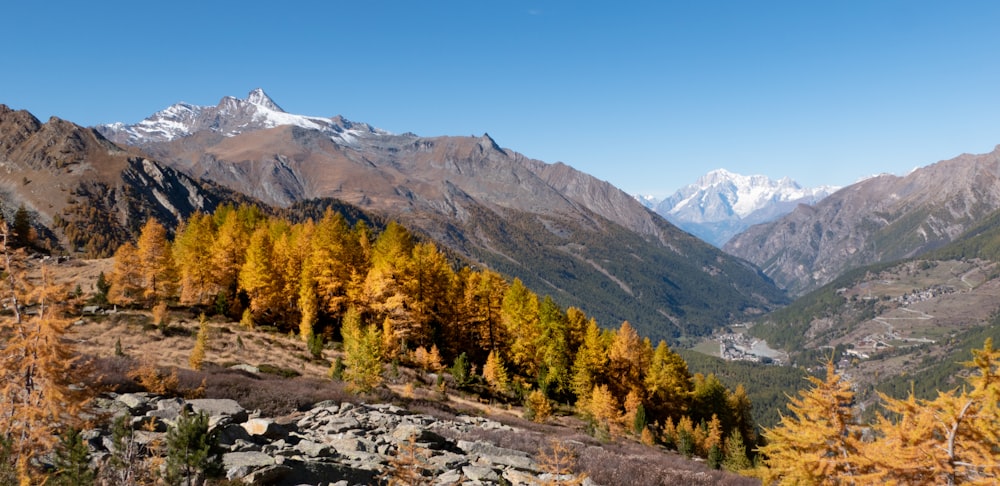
{"points": [[391, 298]]}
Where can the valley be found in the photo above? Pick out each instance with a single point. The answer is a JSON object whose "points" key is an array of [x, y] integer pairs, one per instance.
{"points": [[307, 239]]}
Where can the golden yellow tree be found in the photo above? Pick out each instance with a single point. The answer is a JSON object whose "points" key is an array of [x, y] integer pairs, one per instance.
{"points": [[951, 439], [817, 443], [39, 374], [495, 373], [126, 276], [604, 409], [668, 384], [192, 250], [426, 282], [200, 345], [520, 318], [156, 263], [628, 358], [228, 252], [589, 364], [362, 353], [259, 277]]}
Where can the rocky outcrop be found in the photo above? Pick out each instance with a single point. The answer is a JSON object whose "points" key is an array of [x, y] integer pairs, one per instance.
{"points": [[330, 444]]}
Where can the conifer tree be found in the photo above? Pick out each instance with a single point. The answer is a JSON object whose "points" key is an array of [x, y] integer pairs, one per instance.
{"points": [[259, 277], [668, 384], [126, 276], [190, 450], [816, 441], [735, 450], [200, 345], [72, 460], [22, 233], [520, 318], [192, 251], [39, 375], [495, 373], [628, 359], [228, 252], [553, 349], [590, 364], [604, 409], [362, 353], [426, 283], [156, 264]]}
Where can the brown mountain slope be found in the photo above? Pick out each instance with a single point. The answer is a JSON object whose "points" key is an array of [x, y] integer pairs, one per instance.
{"points": [[561, 231], [82, 191], [879, 219]]}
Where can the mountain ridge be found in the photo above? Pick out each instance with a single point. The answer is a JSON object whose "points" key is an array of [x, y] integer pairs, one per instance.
{"points": [[721, 204], [881, 218], [489, 203]]}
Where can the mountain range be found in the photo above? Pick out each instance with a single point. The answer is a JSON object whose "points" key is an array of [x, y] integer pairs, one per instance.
{"points": [[721, 204], [879, 219], [564, 233]]}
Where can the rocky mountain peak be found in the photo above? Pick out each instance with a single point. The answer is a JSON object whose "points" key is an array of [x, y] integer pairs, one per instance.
{"points": [[723, 203], [260, 98], [230, 117]]}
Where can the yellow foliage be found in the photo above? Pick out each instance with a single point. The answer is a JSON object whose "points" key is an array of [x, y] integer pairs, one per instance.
{"points": [[201, 343], [538, 406], [817, 440], [559, 461], [495, 373], [159, 314], [38, 370], [155, 380]]}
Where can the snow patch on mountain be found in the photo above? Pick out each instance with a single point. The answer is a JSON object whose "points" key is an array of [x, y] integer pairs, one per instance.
{"points": [[722, 204], [232, 116]]}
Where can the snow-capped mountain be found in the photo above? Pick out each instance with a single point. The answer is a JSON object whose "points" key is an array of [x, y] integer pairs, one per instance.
{"points": [[232, 116], [721, 203]]}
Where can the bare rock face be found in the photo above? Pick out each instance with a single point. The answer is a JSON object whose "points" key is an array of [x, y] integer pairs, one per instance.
{"points": [[883, 218], [73, 181]]}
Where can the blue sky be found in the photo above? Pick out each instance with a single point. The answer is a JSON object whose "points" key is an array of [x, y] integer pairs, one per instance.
{"points": [[646, 95]]}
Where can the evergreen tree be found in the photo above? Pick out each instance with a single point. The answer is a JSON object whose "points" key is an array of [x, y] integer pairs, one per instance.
{"points": [[21, 229], [125, 464], [735, 453], [461, 371], [362, 353], [72, 460], [103, 287], [190, 455]]}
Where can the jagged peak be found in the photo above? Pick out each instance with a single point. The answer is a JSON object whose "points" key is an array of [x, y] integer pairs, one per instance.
{"points": [[260, 98], [487, 141]]}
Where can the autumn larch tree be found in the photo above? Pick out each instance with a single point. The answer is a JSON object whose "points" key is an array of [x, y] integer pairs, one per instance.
{"points": [[816, 443], [38, 372]]}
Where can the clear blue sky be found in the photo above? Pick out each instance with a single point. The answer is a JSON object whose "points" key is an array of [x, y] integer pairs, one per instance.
{"points": [[647, 95]]}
